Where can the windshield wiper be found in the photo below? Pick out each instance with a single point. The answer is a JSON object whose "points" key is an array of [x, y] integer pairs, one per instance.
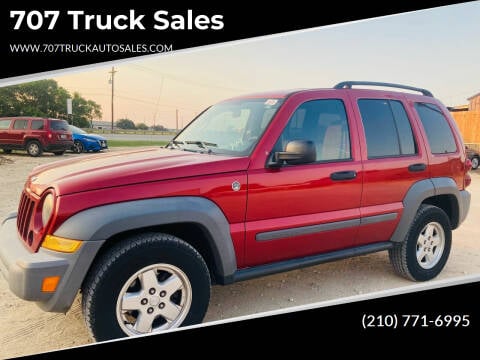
{"points": [[199, 143], [176, 143], [202, 144]]}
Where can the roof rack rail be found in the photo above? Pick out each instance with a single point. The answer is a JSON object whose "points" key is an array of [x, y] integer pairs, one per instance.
{"points": [[349, 84]]}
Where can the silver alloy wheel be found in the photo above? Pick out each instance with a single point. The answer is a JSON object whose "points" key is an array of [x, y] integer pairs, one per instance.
{"points": [[155, 298], [474, 163], [430, 245], [77, 147], [33, 148]]}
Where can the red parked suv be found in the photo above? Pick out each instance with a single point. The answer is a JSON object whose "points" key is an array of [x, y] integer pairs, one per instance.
{"points": [[254, 185], [35, 135]]}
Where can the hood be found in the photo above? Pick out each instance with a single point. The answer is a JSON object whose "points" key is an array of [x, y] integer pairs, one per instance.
{"points": [[88, 136], [128, 167]]}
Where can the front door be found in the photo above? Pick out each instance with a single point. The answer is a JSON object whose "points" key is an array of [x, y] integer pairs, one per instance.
{"points": [[18, 131], [5, 132], [306, 209]]}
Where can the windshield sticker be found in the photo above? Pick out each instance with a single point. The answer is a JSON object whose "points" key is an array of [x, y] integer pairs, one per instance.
{"points": [[271, 102]]}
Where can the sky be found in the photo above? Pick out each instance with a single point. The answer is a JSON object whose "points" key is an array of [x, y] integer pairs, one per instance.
{"points": [[437, 49]]}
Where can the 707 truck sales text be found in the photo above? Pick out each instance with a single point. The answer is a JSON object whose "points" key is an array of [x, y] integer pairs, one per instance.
{"points": [[163, 20]]}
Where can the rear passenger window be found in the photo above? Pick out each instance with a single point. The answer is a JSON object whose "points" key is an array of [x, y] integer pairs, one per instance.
{"points": [[439, 133], [37, 125], [5, 124], [405, 135], [20, 124], [387, 128]]}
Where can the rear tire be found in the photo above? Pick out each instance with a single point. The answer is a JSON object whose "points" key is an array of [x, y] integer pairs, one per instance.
{"points": [[146, 283], [34, 148], [425, 250], [475, 163], [78, 147]]}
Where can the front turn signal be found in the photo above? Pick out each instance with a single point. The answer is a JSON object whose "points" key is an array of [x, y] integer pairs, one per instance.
{"points": [[56, 243], [49, 284]]}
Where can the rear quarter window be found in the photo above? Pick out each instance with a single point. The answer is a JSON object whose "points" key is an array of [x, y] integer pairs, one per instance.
{"points": [[59, 125], [439, 134], [37, 125]]}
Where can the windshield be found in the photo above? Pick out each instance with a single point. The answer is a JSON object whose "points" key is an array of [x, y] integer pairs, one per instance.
{"points": [[75, 130], [231, 127]]}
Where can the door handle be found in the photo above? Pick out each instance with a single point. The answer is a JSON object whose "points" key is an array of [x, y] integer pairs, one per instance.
{"points": [[417, 167], [343, 175]]}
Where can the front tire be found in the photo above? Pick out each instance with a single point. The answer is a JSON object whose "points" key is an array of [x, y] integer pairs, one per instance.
{"points": [[146, 283], [425, 250]]}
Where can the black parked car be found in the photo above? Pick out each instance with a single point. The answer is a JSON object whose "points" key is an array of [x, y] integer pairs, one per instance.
{"points": [[474, 156]]}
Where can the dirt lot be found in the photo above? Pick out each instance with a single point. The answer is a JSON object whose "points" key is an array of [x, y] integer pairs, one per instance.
{"points": [[25, 329]]}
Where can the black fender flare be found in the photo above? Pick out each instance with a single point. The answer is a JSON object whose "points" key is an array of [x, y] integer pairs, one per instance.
{"points": [[102, 222], [424, 189]]}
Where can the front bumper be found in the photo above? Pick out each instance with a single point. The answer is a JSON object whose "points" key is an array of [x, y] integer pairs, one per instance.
{"points": [[464, 205], [95, 145], [25, 271], [103, 144]]}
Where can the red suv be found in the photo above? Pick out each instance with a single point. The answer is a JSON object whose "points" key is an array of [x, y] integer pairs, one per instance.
{"points": [[254, 185], [35, 135]]}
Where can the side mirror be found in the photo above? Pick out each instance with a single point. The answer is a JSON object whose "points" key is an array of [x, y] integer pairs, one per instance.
{"points": [[296, 152]]}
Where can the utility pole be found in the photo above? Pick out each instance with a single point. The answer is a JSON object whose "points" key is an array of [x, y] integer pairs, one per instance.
{"points": [[176, 118], [112, 81], [158, 102]]}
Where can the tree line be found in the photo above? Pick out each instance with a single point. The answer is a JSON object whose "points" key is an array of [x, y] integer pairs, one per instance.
{"points": [[128, 124], [44, 98]]}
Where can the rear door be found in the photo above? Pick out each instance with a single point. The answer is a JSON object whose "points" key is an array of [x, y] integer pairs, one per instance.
{"points": [[38, 130], [393, 161], [306, 209]]}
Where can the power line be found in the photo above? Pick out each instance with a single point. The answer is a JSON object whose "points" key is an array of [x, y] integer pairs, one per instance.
{"points": [[153, 103], [180, 79], [156, 104]]}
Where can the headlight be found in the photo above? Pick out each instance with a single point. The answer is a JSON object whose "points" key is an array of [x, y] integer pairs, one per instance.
{"points": [[47, 208]]}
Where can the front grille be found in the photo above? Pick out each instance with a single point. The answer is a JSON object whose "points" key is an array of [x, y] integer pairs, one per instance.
{"points": [[24, 217]]}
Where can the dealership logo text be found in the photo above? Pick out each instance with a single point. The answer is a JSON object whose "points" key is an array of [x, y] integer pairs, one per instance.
{"points": [[162, 20]]}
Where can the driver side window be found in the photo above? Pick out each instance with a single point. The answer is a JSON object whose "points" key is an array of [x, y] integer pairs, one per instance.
{"points": [[324, 122]]}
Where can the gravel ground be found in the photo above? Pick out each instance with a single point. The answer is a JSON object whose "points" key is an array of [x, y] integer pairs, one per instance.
{"points": [[25, 329]]}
